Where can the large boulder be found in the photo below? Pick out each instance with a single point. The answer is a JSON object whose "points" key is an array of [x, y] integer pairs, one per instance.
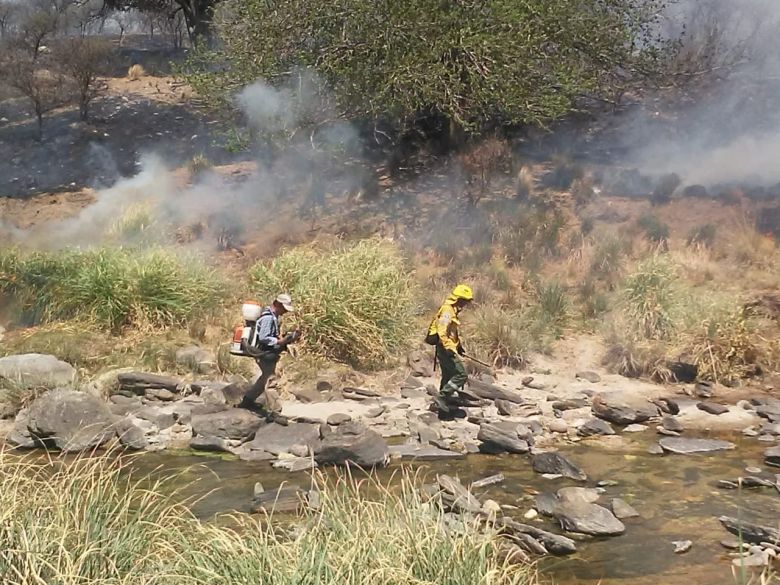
{"points": [[234, 424], [420, 364], [352, 443], [587, 518], [70, 421], [623, 409], [505, 436], [493, 392], [275, 438], [36, 369], [557, 464]]}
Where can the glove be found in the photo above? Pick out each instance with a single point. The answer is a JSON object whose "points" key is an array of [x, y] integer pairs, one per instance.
{"points": [[292, 337]]}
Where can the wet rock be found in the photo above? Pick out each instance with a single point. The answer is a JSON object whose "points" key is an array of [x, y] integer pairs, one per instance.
{"points": [[505, 436], [749, 532], [772, 456], [234, 423], [338, 418], [281, 500], [756, 559], [587, 518], [352, 443], [595, 426], [588, 376], [70, 421], [685, 446], [577, 494], [672, 424], [294, 464], [274, 438], [456, 497], [682, 546], [712, 408], [557, 464], [655, 449], [210, 443], [493, 392], [731, 543], [36, 369], [622, 410], [420, 364], [554, 543], [138, 383], [667, 405], [421, 452], [623, 510], [635, 428], [487, 481]]}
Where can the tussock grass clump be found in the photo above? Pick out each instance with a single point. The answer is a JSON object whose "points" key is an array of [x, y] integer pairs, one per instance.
{"points": [[506, 336], [114, 287], [135, 224], [355, 301], [655, 230], [91, 521], [649, 297], [703, 235]]}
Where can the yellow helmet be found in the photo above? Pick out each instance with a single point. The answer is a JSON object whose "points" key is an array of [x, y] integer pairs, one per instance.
{"points": [[463, 291]]}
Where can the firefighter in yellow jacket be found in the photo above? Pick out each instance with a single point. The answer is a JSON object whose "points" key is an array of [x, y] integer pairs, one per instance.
{"points": [[443, 332]]}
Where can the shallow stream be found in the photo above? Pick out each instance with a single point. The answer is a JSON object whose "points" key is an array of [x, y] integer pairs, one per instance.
{"points": [[676, 496]]}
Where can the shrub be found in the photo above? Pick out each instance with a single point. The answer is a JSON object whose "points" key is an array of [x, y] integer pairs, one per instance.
{"points": [[563, 174], [93, 521], [703, 235], [553, 307], [115, 287], [501, 335], [607, 261], [655, 230], [134, 224], [355, 301], [649, 298], [663, 191]]}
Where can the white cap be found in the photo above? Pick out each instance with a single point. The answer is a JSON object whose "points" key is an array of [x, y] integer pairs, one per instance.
{"points": [[286, 301]]}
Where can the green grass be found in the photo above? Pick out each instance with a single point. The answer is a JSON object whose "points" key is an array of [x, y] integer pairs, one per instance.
{"points": [[649, 297], [113, 287], [91, 521], [355, 301]]}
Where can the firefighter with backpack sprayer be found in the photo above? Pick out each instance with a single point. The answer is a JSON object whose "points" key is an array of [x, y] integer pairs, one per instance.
{"points": [[443, 333]]}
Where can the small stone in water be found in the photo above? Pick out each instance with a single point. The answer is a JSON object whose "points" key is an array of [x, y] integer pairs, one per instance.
{"points": [[682, 546], [552, 475], [767, 438], [635, 428], [655, 449], [750, 432], [730, 543], [753, 470], [531, 514], [607, 483]]}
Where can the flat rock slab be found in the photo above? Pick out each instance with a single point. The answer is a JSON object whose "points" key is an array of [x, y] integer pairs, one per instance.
{"points": [[421, 452], [556, 463], [283, 500], [772, 456], [749, 532], [138, 383], [622, 509], [70, 421], [686, 446], [554, 543], [493, 392], [712, 408], [588, 376], [595, 426]]}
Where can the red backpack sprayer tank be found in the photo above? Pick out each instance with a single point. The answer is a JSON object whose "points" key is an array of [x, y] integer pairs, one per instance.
{"points": [[250, 312]]}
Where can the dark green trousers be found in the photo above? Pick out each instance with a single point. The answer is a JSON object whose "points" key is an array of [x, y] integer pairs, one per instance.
{"points": [[453, 371]]}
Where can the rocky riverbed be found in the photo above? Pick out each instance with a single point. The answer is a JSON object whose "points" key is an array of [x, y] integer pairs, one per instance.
{"points": [[529, 422]]}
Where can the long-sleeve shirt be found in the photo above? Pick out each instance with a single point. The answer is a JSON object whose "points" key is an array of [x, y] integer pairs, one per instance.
{"points": [[447, 327], [267, 330]]}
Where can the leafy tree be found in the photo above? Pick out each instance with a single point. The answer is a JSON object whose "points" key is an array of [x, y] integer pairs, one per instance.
{"points": [[475, 64], [197, 13], [84, 60]]}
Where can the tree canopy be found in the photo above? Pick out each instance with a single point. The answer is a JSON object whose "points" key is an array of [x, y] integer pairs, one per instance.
{"points": [[476, 63]]}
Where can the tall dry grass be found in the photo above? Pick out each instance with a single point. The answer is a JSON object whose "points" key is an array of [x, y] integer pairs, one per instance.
{"points": [[92, 521], [355, 301]]}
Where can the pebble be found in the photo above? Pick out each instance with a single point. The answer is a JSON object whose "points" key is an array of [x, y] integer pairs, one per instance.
{"points": [[558, 426], [607, 483], [730, 543], [491, 507], [753, 470], [530, 514], [655, 449], [552, 475], [750, 432], [767, 438]]}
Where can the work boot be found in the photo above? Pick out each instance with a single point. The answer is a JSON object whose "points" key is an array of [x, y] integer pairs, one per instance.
{"points": [[440, 401], [252, 407]]}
